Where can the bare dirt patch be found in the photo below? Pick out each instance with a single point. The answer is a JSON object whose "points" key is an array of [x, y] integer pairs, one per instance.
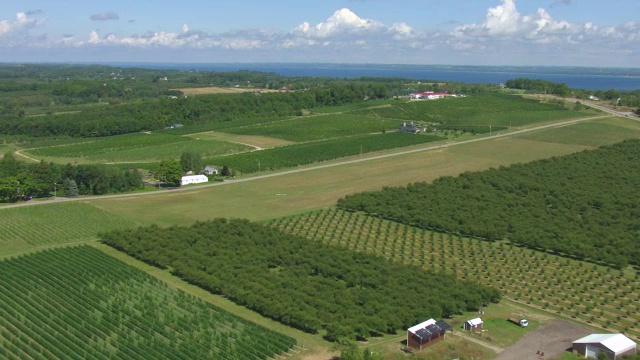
{"points": [[547, 342], [220, 90]]}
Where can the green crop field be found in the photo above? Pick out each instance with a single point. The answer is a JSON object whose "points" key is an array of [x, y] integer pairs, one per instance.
{"points": [[355, 106], [253, 140], [318, 127], [504, 110], [313, 189], [597, 295], [135, 148], [31, 227], [308, 153], [589, 133], [219, 126], [78, 303]]}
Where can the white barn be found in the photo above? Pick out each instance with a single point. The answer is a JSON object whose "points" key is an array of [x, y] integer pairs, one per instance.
{"points": [[193, 179], [614, 345]]}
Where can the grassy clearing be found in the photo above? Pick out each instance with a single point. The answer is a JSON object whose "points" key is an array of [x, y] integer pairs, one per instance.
{"points": [[318, 127], [477, 110], [133, 148], [80, 303], [29, 228], [252, 140], [294, 193], [588, 293], [590, 134]]}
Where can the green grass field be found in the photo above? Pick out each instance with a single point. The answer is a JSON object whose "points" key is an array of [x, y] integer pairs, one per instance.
{"points": [[28, 228], [589, 133], [312, 128], [298, 192], [356, 106], [134, 148], [264, 142], [588, 293], [219, 126], [81, 303], [476, 110]]}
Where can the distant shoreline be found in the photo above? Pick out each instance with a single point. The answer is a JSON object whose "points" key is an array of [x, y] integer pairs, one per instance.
{"points": [[590, 78]]}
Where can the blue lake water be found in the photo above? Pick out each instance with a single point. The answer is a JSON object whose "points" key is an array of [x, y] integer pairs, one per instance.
{"points": [[476, 76]]}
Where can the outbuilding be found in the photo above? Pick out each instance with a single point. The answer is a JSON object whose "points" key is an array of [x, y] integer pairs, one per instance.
{"points": [[614, 345], [473, 324], [211, 170], [193, 179], [426, 334]]}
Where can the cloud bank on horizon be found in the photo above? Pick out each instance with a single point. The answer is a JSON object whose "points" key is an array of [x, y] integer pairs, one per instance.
{"points": [[503, 36]]}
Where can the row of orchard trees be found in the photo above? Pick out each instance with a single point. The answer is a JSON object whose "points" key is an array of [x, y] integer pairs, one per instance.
{"points": [[303, 284], [88, 305], [19, 180], [582, 204]]}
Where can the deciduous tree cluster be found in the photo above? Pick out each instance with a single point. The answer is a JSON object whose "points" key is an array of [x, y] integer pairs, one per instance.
{"points": [[301, 283], [584, 205]]}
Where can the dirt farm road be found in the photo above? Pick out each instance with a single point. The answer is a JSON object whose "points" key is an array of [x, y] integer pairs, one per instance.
{"points": [[547, 342]]}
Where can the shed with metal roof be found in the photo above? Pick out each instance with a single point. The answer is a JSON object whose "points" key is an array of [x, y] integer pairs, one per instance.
{"points": [[426, 333], [614, 345]]}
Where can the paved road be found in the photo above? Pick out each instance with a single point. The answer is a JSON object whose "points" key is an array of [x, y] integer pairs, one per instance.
{"points": [[334, 164]]}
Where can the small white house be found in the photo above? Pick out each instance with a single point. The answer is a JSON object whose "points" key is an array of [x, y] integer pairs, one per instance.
{"points": [[193, 179], [211, 170]]}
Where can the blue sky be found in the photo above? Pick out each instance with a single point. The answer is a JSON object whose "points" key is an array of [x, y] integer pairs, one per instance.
{"points": [[464, 32]]}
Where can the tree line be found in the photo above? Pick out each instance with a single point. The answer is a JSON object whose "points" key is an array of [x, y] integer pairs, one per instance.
{"points": [[582, 205], [301, 283], [19, 180], [159, 113]]}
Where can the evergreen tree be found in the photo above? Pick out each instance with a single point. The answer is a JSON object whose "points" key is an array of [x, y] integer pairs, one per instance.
{"points": [[70, 187]]}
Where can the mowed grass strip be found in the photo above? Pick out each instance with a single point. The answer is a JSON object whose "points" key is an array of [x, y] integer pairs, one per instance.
{"points": [[590, 133], [31, 227], [251, 140], [81, 303], [585, 292]]}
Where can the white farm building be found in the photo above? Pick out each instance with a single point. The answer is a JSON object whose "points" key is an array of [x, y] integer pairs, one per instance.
{"points": [[193, 179], [614, 345]]}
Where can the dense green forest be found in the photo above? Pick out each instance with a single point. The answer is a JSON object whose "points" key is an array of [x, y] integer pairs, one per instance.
{"points": [[623, 98], [22, 180], [584, 205], [301, 283]]}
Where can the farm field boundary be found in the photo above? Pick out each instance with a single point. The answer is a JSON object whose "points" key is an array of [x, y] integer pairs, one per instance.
{"points": [[25, 229]]}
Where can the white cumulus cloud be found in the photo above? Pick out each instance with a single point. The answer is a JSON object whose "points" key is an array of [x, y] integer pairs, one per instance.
{"points": [[343, 20], [22, 22]]}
